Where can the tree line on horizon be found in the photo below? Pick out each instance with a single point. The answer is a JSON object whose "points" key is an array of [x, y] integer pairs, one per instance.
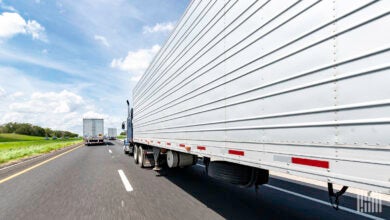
{"points": [[34, 130]]}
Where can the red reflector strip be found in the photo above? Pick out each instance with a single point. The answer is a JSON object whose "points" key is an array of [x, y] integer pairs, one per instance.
{"points": [[201, 147], [236, 152], [309, 162], [182, 145], [169, 144], [158, 142]]}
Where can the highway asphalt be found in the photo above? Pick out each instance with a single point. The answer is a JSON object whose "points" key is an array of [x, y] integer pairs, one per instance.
{"points": [[100, 182]]}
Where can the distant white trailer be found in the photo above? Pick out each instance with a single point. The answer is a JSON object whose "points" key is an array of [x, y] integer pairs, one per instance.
{"points": [[112, 133], [300, 87], [93, 131]]}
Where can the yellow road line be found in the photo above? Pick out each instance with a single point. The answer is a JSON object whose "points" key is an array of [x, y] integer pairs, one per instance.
{"points": [[36, 165]]}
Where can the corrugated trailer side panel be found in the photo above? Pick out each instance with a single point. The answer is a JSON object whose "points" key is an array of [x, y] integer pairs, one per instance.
{"points": [[298, 87]]}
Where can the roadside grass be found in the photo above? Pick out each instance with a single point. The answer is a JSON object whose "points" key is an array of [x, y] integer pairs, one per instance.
{"points": [[18, 137], [28, 146]]}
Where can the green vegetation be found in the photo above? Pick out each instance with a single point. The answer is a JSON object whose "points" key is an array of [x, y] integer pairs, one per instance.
{"points": [[18, 137], [121, 136], [15, 146], [29, 129]]}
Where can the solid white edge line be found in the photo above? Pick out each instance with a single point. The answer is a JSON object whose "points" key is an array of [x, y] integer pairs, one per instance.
{"points": [[125, 181], [323, 202]]}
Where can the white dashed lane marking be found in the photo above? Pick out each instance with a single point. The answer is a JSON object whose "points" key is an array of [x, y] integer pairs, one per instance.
{"points": [[125, 181]]}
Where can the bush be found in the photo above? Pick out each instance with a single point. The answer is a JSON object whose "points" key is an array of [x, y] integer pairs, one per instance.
{"points": [[29, 129]]}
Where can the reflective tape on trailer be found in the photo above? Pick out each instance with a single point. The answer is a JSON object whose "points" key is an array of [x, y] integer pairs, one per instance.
{"points": [[201, 147], [236, 152], [310, 162], [302, 161]]}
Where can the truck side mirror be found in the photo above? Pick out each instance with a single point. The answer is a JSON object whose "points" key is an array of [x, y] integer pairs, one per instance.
{"points": [[123, 126]]}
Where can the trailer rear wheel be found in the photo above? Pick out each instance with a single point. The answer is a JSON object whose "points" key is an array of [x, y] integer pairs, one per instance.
{"points": [[136, 148], [230, 172], [141, 157]]}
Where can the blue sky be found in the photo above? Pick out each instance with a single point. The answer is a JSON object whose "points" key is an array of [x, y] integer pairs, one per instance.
{"points": [[64, 60]]}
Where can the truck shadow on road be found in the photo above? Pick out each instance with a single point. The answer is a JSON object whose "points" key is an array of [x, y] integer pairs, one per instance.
{"points": [[232, 202], [100, 145]]}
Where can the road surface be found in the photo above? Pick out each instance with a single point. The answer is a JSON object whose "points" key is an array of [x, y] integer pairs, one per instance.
{"points": [[100, 182]]}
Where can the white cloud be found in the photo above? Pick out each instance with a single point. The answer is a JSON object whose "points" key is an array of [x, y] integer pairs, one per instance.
{"points": [[159, 27], [58, 110], [62, 102], [62, 110], [36, 30], [16, 94], [43, 62], [53, 104], [102, 40], [109, 120], [6, 7], [12, 24], [136, 62], [92, 114], [2, 92]]}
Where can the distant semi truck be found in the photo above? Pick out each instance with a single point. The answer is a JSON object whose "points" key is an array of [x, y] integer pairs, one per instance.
{"points": [[93, 131], [112, 133], [299, 87]]}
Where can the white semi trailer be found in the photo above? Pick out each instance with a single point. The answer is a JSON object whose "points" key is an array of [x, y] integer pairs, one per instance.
{"points": [[93, 131], [112, 133], [300, 87]]}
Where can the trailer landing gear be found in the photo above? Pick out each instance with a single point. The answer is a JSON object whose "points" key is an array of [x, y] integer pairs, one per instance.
{"points": [[335, 196], [156, 155]]}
